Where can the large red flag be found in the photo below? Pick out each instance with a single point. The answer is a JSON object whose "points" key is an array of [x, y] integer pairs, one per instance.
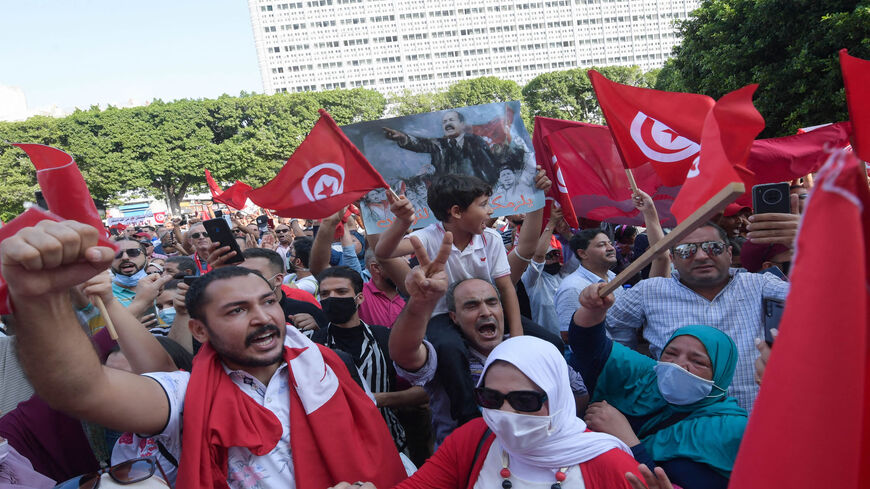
{"points": [[326, 173], [652, 126], [590, 177], [729, 130], [856, 78], [800, 439], [789, 157]]}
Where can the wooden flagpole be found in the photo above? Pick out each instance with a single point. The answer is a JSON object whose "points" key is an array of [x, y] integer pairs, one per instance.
{"points": [[713, 206]]}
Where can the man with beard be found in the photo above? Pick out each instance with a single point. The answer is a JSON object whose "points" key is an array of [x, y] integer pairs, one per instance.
{"points": [[702, 290], [200, 243], [132, 287], [476, 309], [458, 152], [382, 302], [237, 399]]}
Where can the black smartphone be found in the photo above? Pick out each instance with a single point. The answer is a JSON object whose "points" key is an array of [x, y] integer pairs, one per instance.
{"points": [[776, 272], [218, 213], [772, 310], [190, 279], [768, 198], [219, 231], [262, 224]]}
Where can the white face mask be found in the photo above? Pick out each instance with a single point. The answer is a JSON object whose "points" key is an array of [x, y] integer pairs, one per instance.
{"points": [[681, 387], [515, 431]]}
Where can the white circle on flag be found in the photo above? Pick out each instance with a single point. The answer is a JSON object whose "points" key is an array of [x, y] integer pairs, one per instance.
{"points": [[694, 171], [659, 142], [323, 181]]}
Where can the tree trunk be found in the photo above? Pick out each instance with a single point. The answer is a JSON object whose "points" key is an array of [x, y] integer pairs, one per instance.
{"points": [[174, 196]]}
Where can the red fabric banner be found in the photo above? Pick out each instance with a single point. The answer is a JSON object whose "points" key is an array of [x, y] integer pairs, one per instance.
{"points": [[236, 196], [729, 130], [590, 179], [326, 173], [212, 185], [799, 438], [652, 126], [856, 78]]}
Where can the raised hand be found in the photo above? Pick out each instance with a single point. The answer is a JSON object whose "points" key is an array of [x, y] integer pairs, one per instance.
{"points": [[401, 207], [394, 135], [100, 286], [641, 200], [428, 281], [218, 255], [542, 182], [657, 480], [52, 257]]}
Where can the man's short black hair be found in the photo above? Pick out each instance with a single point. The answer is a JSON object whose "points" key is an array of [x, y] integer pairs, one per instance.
{"points": [[275, 260], [449, 190], [302, 249], [122, 238], [343, 272], [185, 263], [583, 239], [195, 299], [722, 234], [172, 284]]}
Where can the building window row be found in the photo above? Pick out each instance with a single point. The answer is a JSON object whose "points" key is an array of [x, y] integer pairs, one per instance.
{"points": [[319, 3], [393, 79]]}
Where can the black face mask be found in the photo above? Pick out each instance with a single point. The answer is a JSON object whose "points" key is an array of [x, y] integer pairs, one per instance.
{"points": [[338, 310], [552, 268]]}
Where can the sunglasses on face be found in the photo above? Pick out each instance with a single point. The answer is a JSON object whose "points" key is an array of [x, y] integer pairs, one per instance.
{"points": [[125, 473], [522, 401], [238, 231], [199, 235], [688, 250], [132, 253]]}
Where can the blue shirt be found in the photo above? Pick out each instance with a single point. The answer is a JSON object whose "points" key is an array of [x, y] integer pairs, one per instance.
{"points": [[568, 294]]}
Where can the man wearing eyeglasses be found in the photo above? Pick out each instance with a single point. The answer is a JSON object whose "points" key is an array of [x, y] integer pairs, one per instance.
{"points": [[702, 290], [132, 287], [285, 241], [199, 241]]}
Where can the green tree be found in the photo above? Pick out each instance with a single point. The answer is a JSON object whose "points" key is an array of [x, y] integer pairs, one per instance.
{"points": [[409, 103], [788, 47], [569, 95], [483, 90]]}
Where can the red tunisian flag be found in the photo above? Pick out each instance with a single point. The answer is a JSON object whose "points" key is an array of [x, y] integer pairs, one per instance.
{"points": [[236, 196], [856, 78], [326, 173], [652, 126], [802, 441], [212, 185], [583, 162], [729, 130]]}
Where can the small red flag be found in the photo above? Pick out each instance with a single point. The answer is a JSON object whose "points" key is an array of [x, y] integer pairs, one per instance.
{"points": [[326, 173], [236, 196], [856, 78], [63, 186], [805, 441], [729, 130], [652, 126], [590, 179], [212, 185]]}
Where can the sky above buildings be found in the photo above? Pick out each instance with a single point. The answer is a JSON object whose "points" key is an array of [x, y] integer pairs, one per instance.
{"points": [[78, 53]]}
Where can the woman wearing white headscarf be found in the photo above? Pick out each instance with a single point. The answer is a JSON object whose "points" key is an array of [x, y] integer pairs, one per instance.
{"points": [[529, 436]]}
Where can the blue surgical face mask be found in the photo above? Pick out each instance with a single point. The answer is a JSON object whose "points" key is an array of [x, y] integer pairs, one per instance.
{"points": [[167, 315], [130, 281], [680, 387]]}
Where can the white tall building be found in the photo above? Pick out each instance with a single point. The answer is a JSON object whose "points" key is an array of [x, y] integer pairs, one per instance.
{"points": [[421, 45]]}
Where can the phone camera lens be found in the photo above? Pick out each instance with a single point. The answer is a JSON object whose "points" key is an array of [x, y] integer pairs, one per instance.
{"points": [[771, 196]]}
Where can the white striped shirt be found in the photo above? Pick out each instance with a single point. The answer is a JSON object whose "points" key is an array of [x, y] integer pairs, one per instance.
{"points": [[663, 305]]}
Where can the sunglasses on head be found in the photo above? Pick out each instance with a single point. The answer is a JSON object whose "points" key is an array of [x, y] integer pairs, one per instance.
{"points": [[199, 235], [131, 252], [125, 473], [688, 250], [522, 401]]}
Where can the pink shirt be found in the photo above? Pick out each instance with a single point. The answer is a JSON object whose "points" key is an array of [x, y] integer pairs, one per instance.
{"points": [[379, 309]]}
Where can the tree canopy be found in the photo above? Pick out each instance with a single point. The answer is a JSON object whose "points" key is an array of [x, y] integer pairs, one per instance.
{"points": [[788, 47]]}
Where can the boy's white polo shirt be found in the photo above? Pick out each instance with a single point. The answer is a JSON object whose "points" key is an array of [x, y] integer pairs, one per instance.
{"points": [[485, 257]]}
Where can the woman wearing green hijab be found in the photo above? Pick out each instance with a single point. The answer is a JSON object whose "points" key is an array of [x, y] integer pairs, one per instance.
{"points": [[673, 413]]}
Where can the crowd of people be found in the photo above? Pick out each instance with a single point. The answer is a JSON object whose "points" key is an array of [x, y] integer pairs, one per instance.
{"points": [[471, 353]]}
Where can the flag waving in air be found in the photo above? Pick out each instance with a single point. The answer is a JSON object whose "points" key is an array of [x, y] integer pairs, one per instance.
{"points": [[799, 441], [729, 130], [212, 185], [856, 78], [652, 126], [235, 196], [326, 173]]}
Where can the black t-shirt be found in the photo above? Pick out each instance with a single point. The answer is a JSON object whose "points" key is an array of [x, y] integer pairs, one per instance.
{"points": [[349, 340]]}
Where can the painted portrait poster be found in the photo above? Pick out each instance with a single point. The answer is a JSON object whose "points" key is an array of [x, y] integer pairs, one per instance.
{"points": [[487, 141]]}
